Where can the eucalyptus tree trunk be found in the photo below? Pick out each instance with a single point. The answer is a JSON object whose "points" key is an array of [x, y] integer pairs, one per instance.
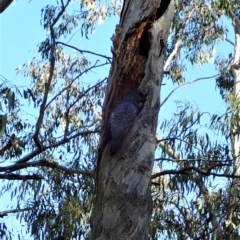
{"points": [[236, 73], [123, 205], [234, 209]]}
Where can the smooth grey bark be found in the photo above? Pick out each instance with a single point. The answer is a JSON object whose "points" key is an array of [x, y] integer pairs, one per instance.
{"points": [[231, 232], [235, 68], [123, 205]]}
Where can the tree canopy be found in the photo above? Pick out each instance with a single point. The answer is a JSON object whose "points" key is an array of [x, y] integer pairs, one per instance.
{"points": [[50, 156]]}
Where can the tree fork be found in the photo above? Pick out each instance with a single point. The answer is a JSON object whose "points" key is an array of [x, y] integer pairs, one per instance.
{"points": [[123, 205]]}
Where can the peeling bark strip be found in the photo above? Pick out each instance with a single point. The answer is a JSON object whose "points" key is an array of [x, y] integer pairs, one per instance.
{"points": [[123, 205]]}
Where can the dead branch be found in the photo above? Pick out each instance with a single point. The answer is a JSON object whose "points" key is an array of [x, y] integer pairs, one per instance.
{"points": [[41, 163], [85, 51], [186, 83]]}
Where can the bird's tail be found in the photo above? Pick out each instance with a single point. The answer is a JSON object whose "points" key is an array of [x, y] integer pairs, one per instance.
{"points": [[115, 145]]}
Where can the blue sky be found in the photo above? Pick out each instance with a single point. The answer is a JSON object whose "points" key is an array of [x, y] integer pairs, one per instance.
{"points": [[21, 33]]}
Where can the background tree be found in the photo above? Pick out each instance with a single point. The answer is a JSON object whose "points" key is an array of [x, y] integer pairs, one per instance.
{"points": [[209, 214], [52, 159]]}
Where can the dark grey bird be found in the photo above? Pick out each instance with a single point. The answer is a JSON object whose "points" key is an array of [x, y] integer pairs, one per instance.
{"points": [[123, 117]]}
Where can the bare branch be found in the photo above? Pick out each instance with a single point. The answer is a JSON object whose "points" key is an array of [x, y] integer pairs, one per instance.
{"points": [[228, 40], [20, 177], [173, 53], [85, 51], [44, 163], [5, 213], [186, 83], [62, 3], [50, 77], [177, 44], [46, 90]]}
